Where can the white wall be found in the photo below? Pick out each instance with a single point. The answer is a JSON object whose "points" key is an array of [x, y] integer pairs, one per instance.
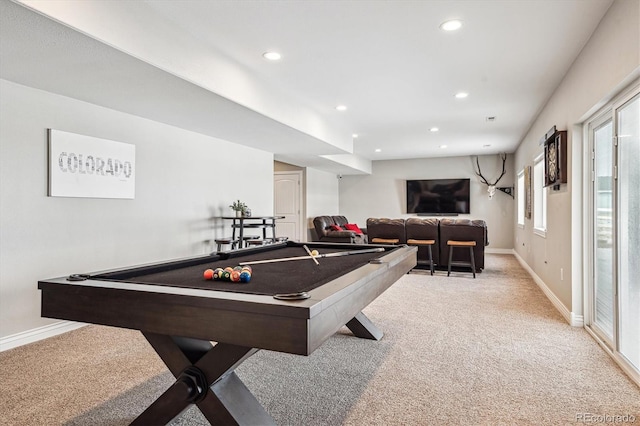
{"points": [[383, 193], [322, 196], [183, 178], [609, 60]]}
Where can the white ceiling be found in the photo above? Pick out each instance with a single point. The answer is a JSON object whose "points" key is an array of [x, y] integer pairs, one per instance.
{"points": [[183, 61]]}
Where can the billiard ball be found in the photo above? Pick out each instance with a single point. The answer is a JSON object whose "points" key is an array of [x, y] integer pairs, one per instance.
{"points": [[314, 253], [245, 276], [226, 275], [235, 276], [208, 274], [217, 273]]}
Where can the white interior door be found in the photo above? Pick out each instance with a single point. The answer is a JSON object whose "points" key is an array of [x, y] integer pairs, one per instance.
{"points": [[288, 200]]}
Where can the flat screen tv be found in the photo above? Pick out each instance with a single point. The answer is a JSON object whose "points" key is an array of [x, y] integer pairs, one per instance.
{"points": [[438, 196]]}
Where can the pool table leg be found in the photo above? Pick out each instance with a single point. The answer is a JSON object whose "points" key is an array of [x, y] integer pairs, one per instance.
{"points": [[362, 327], [205, 377]]}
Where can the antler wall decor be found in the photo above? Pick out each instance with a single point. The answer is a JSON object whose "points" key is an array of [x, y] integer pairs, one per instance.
{"points": [[491, 187]]}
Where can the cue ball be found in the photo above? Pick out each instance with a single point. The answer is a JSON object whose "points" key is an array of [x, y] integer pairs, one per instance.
{"points": [[208, 274], [314, 252]]}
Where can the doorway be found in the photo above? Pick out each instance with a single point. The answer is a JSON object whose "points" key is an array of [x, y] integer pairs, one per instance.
{"points": [[287, 190]]}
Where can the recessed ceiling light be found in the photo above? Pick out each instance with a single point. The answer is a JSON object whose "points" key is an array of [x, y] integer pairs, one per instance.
{"points": [[341, 107], [433, 129], [461, 95], [451, 25], [378, 150], [355, 136], [272, 56], [443, 146]]}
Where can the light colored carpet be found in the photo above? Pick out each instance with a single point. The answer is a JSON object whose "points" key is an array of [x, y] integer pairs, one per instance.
{"points": [[456, 350]]}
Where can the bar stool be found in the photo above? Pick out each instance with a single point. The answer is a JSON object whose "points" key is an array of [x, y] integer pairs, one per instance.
{"points": [[225, 241], [461, 244], [246, 238], [255, 242], [385, 241], [423, 243]]}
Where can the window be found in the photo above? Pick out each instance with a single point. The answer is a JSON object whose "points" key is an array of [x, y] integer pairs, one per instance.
{"points": [[521, 197], [539, 197]]}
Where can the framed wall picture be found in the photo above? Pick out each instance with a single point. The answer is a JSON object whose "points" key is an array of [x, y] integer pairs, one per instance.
{"points": [[555, 159], [89, 167], [528, 192]]}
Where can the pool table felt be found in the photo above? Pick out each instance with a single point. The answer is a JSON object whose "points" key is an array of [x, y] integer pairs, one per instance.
{"points": [[267, 278]]}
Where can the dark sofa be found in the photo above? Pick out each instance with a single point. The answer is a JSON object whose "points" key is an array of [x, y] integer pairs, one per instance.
{"points": [[440, 231], [324, 233], [386, 231], [424, 229], [463, 230]]}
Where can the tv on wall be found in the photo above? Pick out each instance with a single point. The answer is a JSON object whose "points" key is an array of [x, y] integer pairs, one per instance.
{"points": [[438, 196]]}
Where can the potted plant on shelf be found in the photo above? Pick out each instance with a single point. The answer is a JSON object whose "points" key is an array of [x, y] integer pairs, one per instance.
{"points": [[239, 207]]}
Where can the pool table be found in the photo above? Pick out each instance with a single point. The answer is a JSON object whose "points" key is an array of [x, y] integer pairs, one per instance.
{"points": [[180, 314]]}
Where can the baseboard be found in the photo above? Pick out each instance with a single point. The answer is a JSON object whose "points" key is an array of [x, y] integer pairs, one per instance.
{"points": [[35, 334], [498, 251], [573, 319], [577, 320]]}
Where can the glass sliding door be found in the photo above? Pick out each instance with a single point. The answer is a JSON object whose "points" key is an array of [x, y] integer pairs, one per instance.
{"points": [[613, 287], [603, 252], [628, 140]]}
